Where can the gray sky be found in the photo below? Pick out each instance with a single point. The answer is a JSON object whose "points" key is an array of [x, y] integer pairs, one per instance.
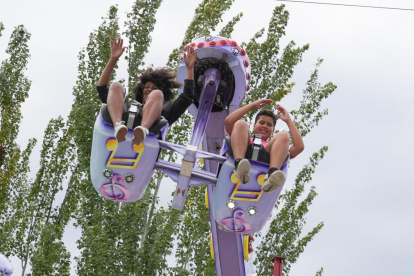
{"points": [[365, 195]]}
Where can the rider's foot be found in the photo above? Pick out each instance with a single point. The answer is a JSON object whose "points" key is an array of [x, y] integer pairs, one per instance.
{"points": [[140, 133], [120, 131], [242, 171], [274, 181]]}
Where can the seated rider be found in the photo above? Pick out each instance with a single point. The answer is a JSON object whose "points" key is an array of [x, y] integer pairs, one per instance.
{"points": [[153, 92], [274, 152]]}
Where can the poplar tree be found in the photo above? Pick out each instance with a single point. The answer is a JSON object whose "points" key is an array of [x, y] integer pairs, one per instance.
{"points": [[272, 70], [136, 238], [14, 167]]}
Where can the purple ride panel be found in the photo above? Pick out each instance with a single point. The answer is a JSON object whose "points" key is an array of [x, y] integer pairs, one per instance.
{"points": [[243, 199], [227, 247], [6, 268], [131, 166]]}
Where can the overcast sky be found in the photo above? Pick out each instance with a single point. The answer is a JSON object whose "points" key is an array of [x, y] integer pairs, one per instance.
{"points": [[364, 182]]}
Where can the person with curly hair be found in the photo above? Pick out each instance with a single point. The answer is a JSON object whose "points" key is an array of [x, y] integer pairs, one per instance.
{"points": [[153, 92]]}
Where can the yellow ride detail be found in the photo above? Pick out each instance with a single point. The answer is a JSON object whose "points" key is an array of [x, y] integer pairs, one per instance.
{"points": [[246, 248], [211, 247], [206, 198]]}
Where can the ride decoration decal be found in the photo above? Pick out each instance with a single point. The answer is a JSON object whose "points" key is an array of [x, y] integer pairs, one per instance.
{"points": [[123, 163], [115, 191], [235, 224], [248, 195]]}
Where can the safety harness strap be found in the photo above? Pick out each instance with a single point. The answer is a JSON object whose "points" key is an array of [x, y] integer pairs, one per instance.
{"points": [[257, 144], [132, 112]]}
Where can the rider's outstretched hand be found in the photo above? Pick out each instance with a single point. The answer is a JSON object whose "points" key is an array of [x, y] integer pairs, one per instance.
{"points": [[261, 103], [116, 48], [282, 113], [190, 57]]}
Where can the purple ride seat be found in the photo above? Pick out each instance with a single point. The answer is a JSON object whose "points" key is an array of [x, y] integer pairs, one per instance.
{"points": [[6, 269], [243, 208], [121, 171]]}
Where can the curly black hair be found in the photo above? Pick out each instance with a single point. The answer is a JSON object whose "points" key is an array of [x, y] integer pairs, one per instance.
{"points": [[266, 112], [164, 78]]}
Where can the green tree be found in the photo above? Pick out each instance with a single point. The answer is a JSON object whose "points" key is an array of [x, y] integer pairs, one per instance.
{"points": [[14, 89], [26, 205], [271, 71], [136, 238]]}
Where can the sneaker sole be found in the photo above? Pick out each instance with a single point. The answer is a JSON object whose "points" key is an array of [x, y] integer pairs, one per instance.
{"points": [[275, 181], [243, 170], [121, 135], [139, 136]]}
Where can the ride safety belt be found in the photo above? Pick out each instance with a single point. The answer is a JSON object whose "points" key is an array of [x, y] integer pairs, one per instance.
{"points": [[132, 112], [257, 144]]}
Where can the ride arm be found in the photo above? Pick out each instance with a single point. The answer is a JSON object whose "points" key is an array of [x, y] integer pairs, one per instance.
{"points": [[239, 113], [297, 143]]}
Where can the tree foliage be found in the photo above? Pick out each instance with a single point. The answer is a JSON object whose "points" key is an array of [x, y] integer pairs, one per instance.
{"points": [[136, 238], [284, 235], [140, 24], [14, 89], [272, 68], [227, 30]]}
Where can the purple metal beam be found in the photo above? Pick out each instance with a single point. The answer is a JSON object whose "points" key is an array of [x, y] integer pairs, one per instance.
{"points": [[199, 154], [211, 78], [228, 247], [198, 177]]}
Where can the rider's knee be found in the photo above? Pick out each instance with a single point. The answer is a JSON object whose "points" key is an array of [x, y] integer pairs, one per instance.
{"points": [[116, 87], [156, 95], [241, 124], [282, 136]]}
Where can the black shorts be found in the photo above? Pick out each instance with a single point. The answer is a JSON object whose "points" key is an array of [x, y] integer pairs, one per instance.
{"points": [[155, 128], [263, 156]]}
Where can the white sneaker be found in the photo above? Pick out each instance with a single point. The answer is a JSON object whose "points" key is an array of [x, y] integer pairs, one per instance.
{"points": [[274, 181], [120, 131], [242, 172], [140, 133]]}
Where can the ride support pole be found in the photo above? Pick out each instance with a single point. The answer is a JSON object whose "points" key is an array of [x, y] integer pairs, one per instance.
{"points": [[278, 265]]}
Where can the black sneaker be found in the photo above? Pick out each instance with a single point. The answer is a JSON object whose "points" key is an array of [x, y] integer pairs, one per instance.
{"points": [[274, 181]]}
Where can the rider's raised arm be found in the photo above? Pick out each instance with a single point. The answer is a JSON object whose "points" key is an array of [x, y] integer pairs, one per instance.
{"points": [[185, 99], [116, 52], [239, 113], [190, 58], [297, 143], [180, 105]]}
